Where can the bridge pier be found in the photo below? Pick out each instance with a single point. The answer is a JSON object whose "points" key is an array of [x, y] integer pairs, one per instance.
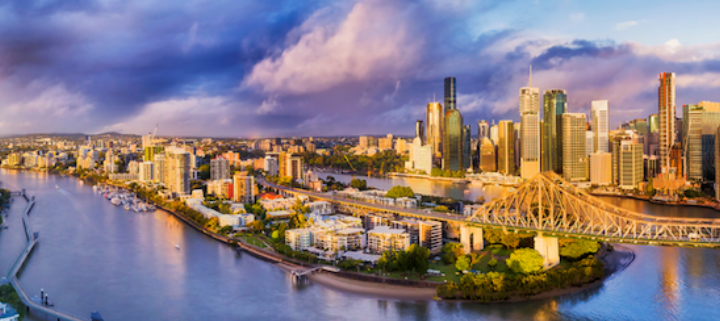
{"points": [[471, 238], [548, 248]]}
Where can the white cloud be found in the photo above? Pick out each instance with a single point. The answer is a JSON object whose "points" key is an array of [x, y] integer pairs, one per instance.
{"points": [[625, 25], [186, 116], [704, 80], [268, 105], [55, 100], [373, 42]]}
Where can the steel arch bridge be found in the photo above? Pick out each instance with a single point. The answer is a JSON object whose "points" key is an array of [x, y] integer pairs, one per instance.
{"points": [[549, 205]]}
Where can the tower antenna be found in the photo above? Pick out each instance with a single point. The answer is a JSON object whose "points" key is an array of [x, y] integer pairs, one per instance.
{"points": [[530, 77]]}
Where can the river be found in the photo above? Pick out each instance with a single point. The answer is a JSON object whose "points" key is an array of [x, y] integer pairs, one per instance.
{"points": [[92, 255]]}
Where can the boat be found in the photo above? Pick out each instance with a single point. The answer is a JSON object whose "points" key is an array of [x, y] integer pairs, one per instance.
{"points": [[95, 188], [115, 201], [127, 206], [177, 246], [151, 207]]}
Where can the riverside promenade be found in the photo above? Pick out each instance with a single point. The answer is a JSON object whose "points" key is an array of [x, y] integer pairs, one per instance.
{"points": [[31, 242]]}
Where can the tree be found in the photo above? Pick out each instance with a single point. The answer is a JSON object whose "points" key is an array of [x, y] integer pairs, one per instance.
{"points": [[510, 240], [204, 172], [436, 172], [419, 257], [578, 248], [441, 208], [256, 226], [474, 259], [462, 264], [400, 191], [492, 263], [454, 249], [525, 261], [480, 200], [360, 184]]}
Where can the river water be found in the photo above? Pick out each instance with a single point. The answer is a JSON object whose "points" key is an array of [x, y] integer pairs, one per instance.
{"points": [[95, 256]]}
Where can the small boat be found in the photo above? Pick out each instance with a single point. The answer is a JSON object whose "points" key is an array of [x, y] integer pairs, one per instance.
{"points": [[127, 206], [177, 246], [57, 187], [95, 188], [115, 201]]}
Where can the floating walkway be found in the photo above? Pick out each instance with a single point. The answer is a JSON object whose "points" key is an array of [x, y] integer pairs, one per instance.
{"points": [[31, 242]]}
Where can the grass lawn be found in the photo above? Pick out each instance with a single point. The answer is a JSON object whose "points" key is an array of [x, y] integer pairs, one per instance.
{"points": [[252, 239], [498, 249]]}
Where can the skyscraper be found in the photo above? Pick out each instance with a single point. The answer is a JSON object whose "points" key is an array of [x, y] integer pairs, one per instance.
{"points": [[488, 162], [555, 104], [692, 135], [530, 130], [420, 131], [631, 164], [600, 127], [219, 168], [711, 121], [453, 149], [666, 107], [450, 94], [483, 130], [435, 123], [467, 136], [506, 147], [575, 160], [654, 123], [177, 170]]}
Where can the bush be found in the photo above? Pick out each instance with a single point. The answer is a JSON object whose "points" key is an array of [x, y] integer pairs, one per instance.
{"points": [[525, 261], [492, 263], [400, 191], [576, 249]]}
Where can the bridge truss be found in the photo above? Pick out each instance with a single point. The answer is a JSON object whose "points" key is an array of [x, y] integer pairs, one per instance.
{"points": [[548, 204]]}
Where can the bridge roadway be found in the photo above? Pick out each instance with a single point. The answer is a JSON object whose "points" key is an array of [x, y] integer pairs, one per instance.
{"points": [[446, 217], [31, 242]]}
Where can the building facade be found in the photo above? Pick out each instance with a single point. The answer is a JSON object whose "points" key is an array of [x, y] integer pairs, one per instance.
{"points": [[666, 114], [600, 126], [435, 124], [453, 149], [530, 131], [506, 147], [575, 160], [554, 105]]}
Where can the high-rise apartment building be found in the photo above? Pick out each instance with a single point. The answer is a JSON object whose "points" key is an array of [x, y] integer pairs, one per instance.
{"points": [[711, 121], [506, 147], [666, 107], [244, 188], [494, 133], [488, 161], [177, 170], [575, 160], [483, 130], [554, 106], [530, 130], [435, 123], [145, 172], [219, 168], [159, 168], [453, 149], [450, 94], [270, 165], [600, 126]]}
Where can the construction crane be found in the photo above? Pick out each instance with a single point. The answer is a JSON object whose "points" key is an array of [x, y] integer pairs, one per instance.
{"points": [[152, 138]]}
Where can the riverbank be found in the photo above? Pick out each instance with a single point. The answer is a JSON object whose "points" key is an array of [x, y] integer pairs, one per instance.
{"points": [[704, 204]]}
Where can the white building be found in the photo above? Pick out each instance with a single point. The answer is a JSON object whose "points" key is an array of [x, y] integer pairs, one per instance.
{"points": [[271, 166], [600, 127], [219, 168], [529, 130], [385, 238], [145, 172]]}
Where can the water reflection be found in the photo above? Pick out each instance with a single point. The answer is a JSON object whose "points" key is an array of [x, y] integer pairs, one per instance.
{"points": [[95, 256]]}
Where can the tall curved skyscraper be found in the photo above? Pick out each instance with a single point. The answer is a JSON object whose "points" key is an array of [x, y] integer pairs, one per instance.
{"points": [[529, 130]]}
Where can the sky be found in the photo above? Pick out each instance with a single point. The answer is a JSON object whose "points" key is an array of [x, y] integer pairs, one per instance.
{"points": [[252, 69]]}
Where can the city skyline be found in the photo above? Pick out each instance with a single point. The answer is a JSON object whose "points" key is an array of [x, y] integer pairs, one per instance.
{"points": [[225, 70]]}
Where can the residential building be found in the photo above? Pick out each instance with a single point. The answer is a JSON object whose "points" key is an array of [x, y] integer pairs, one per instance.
{"points": [[601, 168], [219, 168], [349, 239], [221, 188], [159, 168], [145, 173], [385, 238], [244, 189], [710, 121], [483, 130], [554, 106], [299, 239], [654, 123], [666, 107], [427, 234], [270, 165], [177, 170], [386, 143], [506, 148], [575, 160]]}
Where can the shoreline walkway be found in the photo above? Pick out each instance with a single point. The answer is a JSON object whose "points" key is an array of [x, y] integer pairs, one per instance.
{"points": [[31, 242]]}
